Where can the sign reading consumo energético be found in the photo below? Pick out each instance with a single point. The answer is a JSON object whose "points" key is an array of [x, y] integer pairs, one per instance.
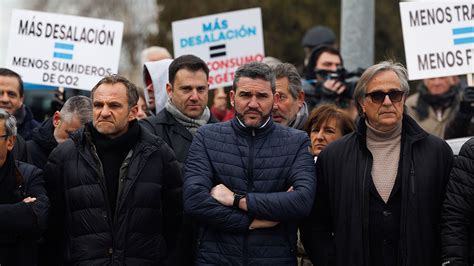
{"points": [[62, 50], [225, 41]]}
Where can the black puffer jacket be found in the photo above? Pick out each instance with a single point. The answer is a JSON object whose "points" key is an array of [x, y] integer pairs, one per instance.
{"points": [[21, 223], [144, 224], [338, 229], [25, 122], [41, 144], [458, 210], [20, 151], [263, 163], [165, 126]]}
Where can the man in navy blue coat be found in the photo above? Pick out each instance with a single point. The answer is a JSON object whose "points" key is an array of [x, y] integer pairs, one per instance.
{"points": [[248, 181]]}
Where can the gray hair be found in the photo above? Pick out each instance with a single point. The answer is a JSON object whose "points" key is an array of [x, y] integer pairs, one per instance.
{"points": [[77, 106], [9, 121], [286, 70], [155, 50], [371, 72], [255, 70], [132, 92], [271, 61]]}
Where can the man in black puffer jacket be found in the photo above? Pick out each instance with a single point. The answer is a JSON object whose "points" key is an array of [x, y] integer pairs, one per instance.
{"points": [[23, 202], [457, 235], [113, 187], [248, 180]]}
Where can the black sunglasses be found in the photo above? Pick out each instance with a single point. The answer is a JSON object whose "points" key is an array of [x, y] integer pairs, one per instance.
{"points": [[379, 96]]}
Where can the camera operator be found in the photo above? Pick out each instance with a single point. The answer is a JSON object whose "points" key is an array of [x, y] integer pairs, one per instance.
{"points": [[436, 104], [462, 125], [326, 80], [317, 36]]}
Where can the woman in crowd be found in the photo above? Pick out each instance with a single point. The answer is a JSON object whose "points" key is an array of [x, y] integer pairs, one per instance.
{"points": [[326, 124]]}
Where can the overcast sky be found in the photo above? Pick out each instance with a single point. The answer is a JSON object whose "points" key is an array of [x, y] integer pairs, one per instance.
{"points": [[5, 15]]}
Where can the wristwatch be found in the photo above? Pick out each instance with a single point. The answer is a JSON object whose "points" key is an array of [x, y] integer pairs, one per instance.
{"points": [[237, 198]]}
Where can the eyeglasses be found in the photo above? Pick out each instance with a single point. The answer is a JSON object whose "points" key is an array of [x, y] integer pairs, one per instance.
{"points": [[379, 96]]}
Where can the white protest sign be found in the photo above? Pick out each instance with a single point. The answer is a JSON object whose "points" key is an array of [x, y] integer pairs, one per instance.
{"points": [[224, 41], [62, 50], [438, 37]]}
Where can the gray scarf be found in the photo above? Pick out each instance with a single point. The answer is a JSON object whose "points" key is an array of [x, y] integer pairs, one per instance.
{"points": [[301, 117], [190, 124]]}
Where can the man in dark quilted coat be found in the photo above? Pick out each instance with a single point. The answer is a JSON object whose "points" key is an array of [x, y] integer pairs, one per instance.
{"points": [[114, 187], [249, 180]]}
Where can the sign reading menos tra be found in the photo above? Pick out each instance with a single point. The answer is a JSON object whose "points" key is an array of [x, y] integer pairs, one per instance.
{"points": [[225, 41], [438, 37], [62, 50]]}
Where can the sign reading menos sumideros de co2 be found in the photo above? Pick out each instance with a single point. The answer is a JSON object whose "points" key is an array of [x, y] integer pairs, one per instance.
{"points": [[225, 41], [62, 50], [438, 37]]}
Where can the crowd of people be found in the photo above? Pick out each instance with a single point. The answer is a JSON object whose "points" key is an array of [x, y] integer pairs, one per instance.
{"points": [[293, 170]]}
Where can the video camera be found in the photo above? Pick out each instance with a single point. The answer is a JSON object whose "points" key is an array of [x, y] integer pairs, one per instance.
{"points": [[341, 75]]}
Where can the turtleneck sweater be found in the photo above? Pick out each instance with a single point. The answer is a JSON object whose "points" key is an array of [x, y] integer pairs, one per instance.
{"points": [[385, 149]]}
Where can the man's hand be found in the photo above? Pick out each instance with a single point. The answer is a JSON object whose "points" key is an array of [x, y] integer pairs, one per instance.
{"points": [[257, 223], [223, 195], [29, 200], [334, 85]]}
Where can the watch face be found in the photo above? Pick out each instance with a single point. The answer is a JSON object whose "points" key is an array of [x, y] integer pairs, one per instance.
{"points": [[237, 198]]}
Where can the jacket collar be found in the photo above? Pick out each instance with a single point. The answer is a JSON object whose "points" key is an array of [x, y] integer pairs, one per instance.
{"points": [[146, 140], [251, 131], [23, 115], [44, 135]]}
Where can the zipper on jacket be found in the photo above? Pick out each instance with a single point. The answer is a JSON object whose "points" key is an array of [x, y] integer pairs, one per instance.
{"points": [[412, 177], [123, 172], [249, 189], [103, 186], [405, 195]]}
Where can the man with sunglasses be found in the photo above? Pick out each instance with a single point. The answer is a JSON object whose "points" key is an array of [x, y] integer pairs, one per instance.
{"points": [[380, 188]]}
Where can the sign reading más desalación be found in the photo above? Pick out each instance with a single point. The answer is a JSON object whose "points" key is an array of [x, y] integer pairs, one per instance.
{"points": [[62, 50], [438, 37], [225, 41]]}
